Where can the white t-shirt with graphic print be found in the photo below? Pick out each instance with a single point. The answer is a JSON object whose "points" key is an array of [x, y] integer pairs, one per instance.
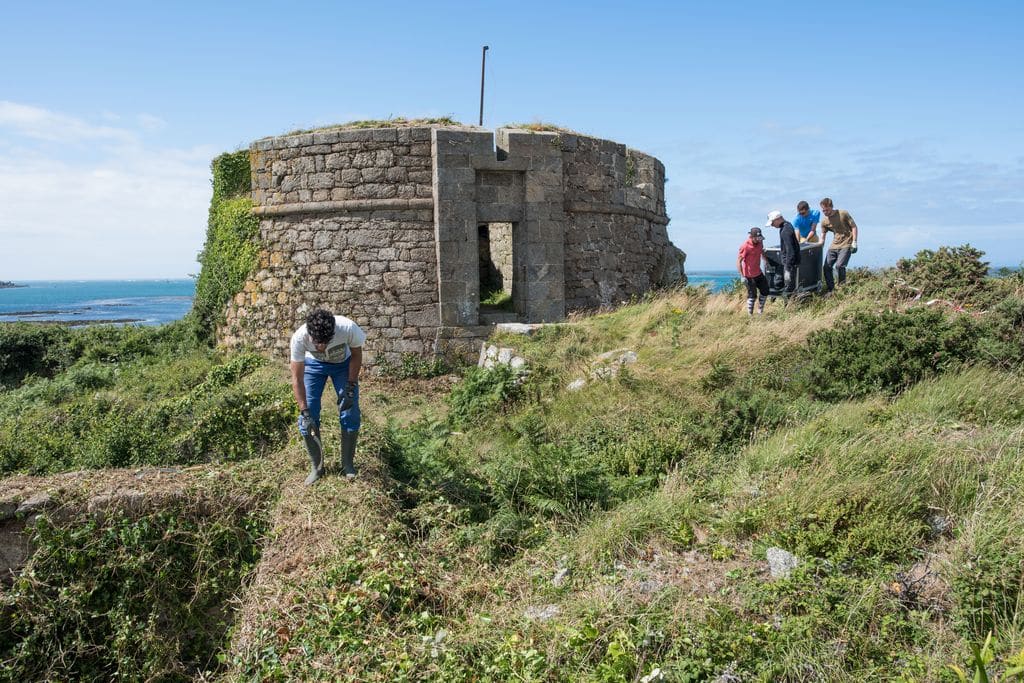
{"points": [[347, 334]]}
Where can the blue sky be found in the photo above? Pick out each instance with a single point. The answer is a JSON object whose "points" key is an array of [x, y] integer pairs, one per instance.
{"points": [[907, 114]]}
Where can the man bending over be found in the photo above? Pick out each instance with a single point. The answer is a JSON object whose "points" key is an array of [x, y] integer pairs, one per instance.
{"points": [[327, 346]]}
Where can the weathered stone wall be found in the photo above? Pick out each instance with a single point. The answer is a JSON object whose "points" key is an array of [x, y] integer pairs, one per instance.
{"points": [[499, 248], [383, 225], [347, 223], [617, 243]]}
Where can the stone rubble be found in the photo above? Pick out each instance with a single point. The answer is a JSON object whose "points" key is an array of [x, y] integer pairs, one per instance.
{"points": [[492, 356], [781, 563]]}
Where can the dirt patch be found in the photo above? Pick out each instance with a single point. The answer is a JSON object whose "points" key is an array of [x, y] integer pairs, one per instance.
{"points": [[924, 585]]}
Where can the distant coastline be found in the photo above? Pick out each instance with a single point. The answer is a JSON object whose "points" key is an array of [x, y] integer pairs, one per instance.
{"points": [[4, 284]]}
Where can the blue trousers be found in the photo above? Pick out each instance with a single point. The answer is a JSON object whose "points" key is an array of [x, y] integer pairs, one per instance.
{"points": [[315, 379]]}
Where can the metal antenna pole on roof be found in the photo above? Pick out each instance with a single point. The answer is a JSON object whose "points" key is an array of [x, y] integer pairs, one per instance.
{"points": [[483, 69]]}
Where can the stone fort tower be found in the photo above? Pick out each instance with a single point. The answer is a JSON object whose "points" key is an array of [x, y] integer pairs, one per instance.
{"points": [[404, 229]]}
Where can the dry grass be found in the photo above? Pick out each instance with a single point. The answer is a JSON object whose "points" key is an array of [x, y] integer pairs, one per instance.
{"points": [[310, 526], [396, 122], [540, 127]]}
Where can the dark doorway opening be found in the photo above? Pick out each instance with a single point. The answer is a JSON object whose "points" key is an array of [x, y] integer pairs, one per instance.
{"points": [[494, 245]]}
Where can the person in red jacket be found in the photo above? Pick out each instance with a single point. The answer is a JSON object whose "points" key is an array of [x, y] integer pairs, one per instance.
{"points": [[749, 264]]}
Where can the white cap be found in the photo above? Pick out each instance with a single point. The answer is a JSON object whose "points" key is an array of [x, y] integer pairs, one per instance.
{"points": [[771, 218]]}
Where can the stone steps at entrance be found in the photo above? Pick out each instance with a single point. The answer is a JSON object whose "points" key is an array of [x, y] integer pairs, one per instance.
{"points": [[496, 317]]}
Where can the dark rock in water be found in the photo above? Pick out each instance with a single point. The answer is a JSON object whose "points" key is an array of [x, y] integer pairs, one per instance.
{"points": [[79, 323], [4, 284]]}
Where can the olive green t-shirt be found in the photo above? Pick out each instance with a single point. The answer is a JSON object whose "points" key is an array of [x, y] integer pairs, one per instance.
{"points": [[841, 224]]}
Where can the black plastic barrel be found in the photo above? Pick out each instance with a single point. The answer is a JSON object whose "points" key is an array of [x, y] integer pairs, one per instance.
{"points": [[808, 275]]}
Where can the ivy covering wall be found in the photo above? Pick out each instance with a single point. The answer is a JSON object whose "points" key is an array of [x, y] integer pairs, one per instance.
{"points": [[231, 251]]}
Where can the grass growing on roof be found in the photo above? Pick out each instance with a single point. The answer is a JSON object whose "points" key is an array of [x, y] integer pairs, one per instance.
{"points": [[395, 122]]}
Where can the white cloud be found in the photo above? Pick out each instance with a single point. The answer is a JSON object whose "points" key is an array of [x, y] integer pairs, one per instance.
{"points": [[129, 208], [42, 124], [906, 196], [150, 122]]}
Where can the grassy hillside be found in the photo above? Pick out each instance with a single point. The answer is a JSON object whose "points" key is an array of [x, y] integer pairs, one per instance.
{"points": [[620, 532], [506, 527]]}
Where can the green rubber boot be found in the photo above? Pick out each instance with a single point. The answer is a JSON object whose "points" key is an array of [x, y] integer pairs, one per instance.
{"points": [[348, 452], [316, 458]]}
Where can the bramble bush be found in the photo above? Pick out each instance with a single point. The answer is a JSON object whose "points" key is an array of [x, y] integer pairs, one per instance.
{"points": [[124, 598]]}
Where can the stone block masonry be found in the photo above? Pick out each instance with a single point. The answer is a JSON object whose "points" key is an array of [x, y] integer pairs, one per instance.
{"points": [[388, 226]]}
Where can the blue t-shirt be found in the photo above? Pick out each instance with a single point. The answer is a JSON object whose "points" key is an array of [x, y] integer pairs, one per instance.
{"points": [[803, 223]]}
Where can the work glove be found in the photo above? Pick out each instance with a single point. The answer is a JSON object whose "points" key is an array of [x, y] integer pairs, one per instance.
{"points": [[853, 250], [348, 398], [306, 422]]}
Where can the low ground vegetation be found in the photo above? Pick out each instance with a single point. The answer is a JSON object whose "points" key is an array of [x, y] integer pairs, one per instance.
{"points": [[120, 397], [511, 529]]}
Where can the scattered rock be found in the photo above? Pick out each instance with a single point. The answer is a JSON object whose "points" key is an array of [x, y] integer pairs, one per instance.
{"points": [[649, 587], [922, 586], [492, 356], [129, 500], [37, 503], [618, 357], [560, 576], [576, 384], [655, 675], [939, 524], [608, 364], [542, 612], [729, 675], [781, 563]]}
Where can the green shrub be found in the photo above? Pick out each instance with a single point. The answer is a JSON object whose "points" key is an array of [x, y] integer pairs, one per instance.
{"points": [[482, 393], [986, 582], [956, 273], [413, 366], [743, 412], [428, 466], [548, 480], [1002, 341], [44, 350], [887, 352], [140, 412], [27, 349], [125, 598]]}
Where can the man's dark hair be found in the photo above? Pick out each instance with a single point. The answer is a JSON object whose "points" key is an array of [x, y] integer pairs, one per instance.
{"points": [[320, 326], [826, 202], [802, 205]]}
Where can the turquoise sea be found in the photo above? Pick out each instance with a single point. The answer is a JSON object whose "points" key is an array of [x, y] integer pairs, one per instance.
{"points": [[85, 302], [151, 302], [717, 280]]}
